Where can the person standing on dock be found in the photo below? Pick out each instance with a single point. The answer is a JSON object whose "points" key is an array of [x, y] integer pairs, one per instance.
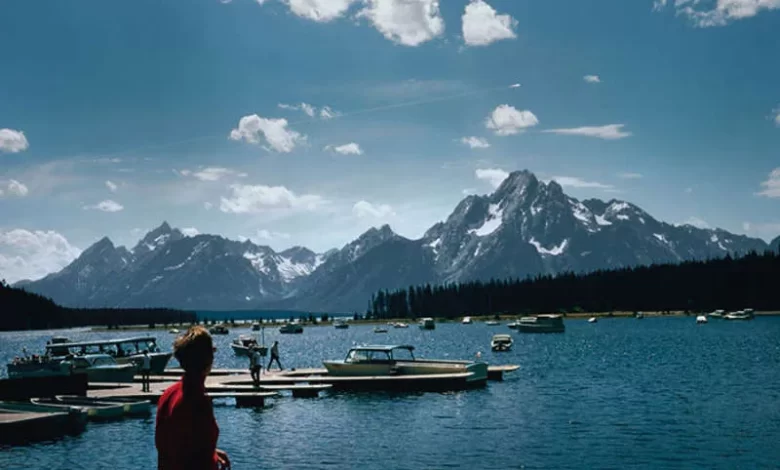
{"points": [[186, 431], [275, 356], [146, 369], [256, 363]]}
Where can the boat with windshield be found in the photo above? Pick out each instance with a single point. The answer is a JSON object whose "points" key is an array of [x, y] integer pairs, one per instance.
{"points": [[123, 350]]}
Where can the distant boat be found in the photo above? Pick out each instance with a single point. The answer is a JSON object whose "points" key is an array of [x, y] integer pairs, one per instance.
{"points": [[593, 320], [739, 315], [379, 329], [255, 326], [501, 343], [466, 321], [427, 324], [492, 323], [340, 325], [173, 331], [400, 325], [513, 325], [244, 346], [291, 328], [639, 315], [219, 330], [717, 314], [541, 324], [701, 319]]}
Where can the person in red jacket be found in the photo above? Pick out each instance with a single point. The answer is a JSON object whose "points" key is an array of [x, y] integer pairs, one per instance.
{"points": [[186, 432]]}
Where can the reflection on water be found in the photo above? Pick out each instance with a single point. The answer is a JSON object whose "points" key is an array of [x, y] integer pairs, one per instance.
{"points": [[660, 393]]}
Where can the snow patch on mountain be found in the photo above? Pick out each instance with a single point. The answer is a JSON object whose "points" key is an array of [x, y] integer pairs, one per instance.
{"points": [[602, 221], [554, 251], [258, 261], [491, 224]]}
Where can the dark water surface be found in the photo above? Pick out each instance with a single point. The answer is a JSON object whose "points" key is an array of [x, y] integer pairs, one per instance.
{"points": [[622, 393]]}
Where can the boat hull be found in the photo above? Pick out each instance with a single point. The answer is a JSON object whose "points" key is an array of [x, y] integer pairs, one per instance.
{"points": [[96, 410], [158, 361], [540, 329], [479, 370]]}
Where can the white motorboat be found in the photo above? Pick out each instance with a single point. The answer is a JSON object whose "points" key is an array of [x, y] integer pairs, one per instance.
{"points": [[386, 360], [541, 324], [124, 350], [255, 326], [96, 409], [219, 330], [244, 345], [132, 406], [98, 367], [379, 329], [291, 328], [701, 319], [492, 323], [593, 320], [513, 325], [340, 325], [639, 315], [427, 323], [739, 315], [173, 331], [400, 325], [466, 321], [717, 314], [501, 343]]}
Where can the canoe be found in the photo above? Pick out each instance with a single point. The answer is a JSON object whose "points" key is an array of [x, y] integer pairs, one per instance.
{"points": [[132, 406]]}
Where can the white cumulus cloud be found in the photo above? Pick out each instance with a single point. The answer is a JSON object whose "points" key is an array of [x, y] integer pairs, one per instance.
{"points": [[32, 255], [347, 149], [214, 173], [506, 120], [254, 129], [483, 26], [405, 22], [475, 142], [608, 132], [190, 231], [106, 206], [321, 11], [111, 186], [12, 141], [592, 78], [252, 199], [494, 176], [364, 209], [771, 185], [718, 13], [265, 234], [574, 182]]}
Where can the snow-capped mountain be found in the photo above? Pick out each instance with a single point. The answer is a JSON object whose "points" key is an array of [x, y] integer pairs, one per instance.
{"points": [[524, 228]]}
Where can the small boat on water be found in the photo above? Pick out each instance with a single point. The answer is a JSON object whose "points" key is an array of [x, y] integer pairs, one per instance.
{"points": [[219, 330], [132, 406], [255, 326], [541, 324], [739, 315], [379, 329], [492, 323], [291, 328], [639, 315], [466, 321], [392, 360], [427, 323], [173, 331], [701, 319], [717, 314], [513, 325], [244, 346], [96, 409], [501, 343], [98, 367], [593, 320], [123, 350], [22, 422], [340, 325], [400, 324]]}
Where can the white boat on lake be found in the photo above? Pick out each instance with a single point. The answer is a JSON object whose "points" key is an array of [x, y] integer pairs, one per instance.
{"points": [[427, 323], [387, 360], [98, 367], [124, 350], [291, 328], [400, 324], [541, 324], [593, 320], [244, 346], [717, 314], [701, 319], [739, 315], [501, 342], [340, 325], [466, 321], [492, 323]]}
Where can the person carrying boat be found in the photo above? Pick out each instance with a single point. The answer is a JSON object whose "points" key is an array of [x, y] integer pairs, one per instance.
{"points": [[256, 363], [146, 368], [186, 431], [275, 356]]}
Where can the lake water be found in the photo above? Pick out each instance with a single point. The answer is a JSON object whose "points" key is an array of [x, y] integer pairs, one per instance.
{"points": [[621, 393]]}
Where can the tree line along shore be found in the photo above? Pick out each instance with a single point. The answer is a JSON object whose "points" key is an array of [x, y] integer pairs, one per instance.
{"points": [[728, 283]]}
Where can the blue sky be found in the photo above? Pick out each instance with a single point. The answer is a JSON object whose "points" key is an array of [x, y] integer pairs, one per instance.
{"points": [[115, 116]]}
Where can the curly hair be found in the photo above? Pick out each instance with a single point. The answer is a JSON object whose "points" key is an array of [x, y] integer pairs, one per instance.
{"points": [[194, 350]]}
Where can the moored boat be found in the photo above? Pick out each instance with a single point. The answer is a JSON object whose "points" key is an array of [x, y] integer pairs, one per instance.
{"points": [[717, 314], [739, 315], [379, 329], [400, 324], [219, 330], [291, 328], [701, 319], [132, 406], [97, 367], [394, 360], [123, 350], [541, 324], [244, 346], [513, 325], [427, 323], [466, 321], [340, 325], [492, 323], [501, 342], [96, 409], [593, 320], [255, 326]]}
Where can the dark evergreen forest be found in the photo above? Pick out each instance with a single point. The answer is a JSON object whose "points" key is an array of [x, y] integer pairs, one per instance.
{"points": [[22, 310], [693, 286]]}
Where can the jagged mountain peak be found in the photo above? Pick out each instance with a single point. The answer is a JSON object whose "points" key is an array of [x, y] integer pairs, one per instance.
{"points": [[157, 238]]}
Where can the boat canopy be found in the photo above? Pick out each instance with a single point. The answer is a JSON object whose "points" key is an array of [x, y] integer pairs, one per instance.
{"points": [[105, 342], [502, 337], [382, 347]]}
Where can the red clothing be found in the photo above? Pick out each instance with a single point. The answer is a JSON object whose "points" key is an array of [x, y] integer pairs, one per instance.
{"points": [[186, 432]]}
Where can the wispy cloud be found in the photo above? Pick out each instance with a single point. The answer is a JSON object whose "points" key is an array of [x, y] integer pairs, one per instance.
{"points": [[253, 199], [214, 173], [106, 206], [475, 142], [326, 112], [696, 222], [575, 182], [13, 188], [190, 231], [483, 26], [720, 13], [630, 176], [347, 149], [111, 186], [771, 185], [365, 209], [608, 132], [494, 176], [592, 79]]}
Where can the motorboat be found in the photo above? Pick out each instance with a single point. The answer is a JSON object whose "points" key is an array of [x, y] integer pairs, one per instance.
{"points": [[123, 350], [96, 409], [244, 345], [427, 323], [501, 343], [593, 320], [739, 315], [291, 328], [466, 321], [701, 319], [255, 326], [98, 367], [492, 323], [639, 315], [22, 422], [379, 329], [132, 406], [513, 325], [340, 325], [173, 331], [219, 330], [541, 324], [394, 360], [400, 324], [717, 314]]}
